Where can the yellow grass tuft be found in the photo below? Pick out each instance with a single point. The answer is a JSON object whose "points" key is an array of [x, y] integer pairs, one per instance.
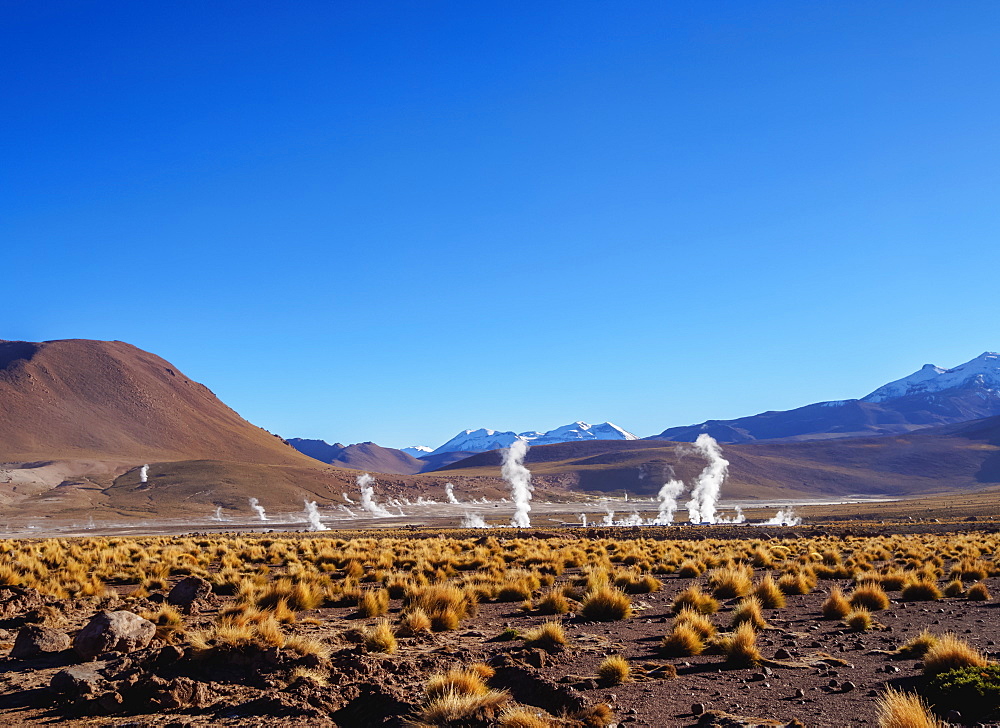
{"points": [[951, 653], [895, 709], [615, 670]]}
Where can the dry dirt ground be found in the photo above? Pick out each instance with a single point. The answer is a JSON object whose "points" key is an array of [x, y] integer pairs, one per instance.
{"points": [[816, 671]]}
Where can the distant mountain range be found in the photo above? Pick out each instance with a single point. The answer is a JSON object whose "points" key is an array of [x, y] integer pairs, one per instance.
{"points": [[79, 418], [481, 440], [369, 456], [360, 456], [928, 397]]}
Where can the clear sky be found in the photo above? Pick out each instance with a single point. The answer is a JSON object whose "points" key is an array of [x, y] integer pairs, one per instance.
{"points": [[392, 221]]}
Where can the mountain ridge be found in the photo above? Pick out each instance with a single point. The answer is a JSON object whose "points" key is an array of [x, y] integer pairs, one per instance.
{"points": [[929, 397]]}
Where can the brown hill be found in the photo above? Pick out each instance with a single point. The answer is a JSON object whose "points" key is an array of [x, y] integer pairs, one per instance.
{"points": [[108, 400], [360, 456]]}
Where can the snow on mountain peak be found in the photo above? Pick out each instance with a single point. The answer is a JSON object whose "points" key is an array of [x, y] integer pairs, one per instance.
{"points": [[417, 450], [982, 372], [483, 439]]}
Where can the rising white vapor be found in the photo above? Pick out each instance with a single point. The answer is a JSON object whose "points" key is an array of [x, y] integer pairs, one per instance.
{"points": [[519, 477], [784, 518], [144, 474], [368, 497], [449, 492], [668, 501], [472, 520], [255, 504], [705, 494], [312, 515]]}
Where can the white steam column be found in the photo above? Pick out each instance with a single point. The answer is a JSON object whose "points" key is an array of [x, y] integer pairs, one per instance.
{"points": [[705, 495], [312, 515], [519, 477], [668, 501], [255, 504], [144, 474], [368, 497]]}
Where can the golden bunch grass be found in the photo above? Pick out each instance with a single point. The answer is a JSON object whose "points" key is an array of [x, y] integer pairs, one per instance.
{"points": [[413, 622], [553, 602], [730, 582], [749, 610], [920, 590], [701, 623], [869, 596], [458, 682], [606, 604], [615, 670], [859, 620], [379, 637], [373, 603], [896, 709], [955, 588], [548, 636], [452, 709], [978, 593], [918, 646], [682, 641], [951, 653], [836, 605], [768, 593], [694, 598], [740, 646]]}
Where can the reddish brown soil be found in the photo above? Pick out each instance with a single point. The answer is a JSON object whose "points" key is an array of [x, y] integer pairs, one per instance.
{"points": [[815, 671]]}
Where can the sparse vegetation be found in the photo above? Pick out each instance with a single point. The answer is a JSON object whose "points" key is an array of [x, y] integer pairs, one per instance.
{"points": [[615, 670], [951, 653], [895, 709]]}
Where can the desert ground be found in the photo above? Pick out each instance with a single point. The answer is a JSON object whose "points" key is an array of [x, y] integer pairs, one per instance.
{"points": [[427, 625]]}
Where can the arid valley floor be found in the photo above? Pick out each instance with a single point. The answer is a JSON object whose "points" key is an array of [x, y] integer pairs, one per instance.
{"points": [[443, 627]]}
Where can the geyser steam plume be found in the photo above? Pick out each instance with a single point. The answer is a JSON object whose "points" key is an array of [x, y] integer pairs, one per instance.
{"points": [[368, 496], [705, 495], [519, 477], [144, 474], [312, 514], [449, 492], [668, 501], [472, 520], [255, 504]]}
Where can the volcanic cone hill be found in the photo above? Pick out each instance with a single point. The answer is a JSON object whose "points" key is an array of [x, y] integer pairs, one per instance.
{"points": [[78, 417], [110, 400]]}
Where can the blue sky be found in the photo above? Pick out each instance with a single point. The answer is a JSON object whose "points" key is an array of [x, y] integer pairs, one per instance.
{"points": [[392, 221]]}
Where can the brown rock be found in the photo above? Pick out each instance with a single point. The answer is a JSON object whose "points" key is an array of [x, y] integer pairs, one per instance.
{"points": [[34, 640], [113, 632], [188, 592], [79, 681]]}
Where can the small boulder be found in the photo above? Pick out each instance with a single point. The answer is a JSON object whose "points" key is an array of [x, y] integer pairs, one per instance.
{"points": [[34, 640], [188, 592], [113, 632], [79, 681]]}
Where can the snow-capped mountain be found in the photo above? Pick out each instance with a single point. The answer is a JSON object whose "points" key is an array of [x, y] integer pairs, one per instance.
{"points": [[481, 440], [930, 396], [417, 451], [982, 373]]}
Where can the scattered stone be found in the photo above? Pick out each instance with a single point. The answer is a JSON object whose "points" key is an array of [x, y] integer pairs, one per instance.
{"points": [[848, 686], [697, 709], [189, 593], [79, 681], [113, 632], [34, 640]]}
